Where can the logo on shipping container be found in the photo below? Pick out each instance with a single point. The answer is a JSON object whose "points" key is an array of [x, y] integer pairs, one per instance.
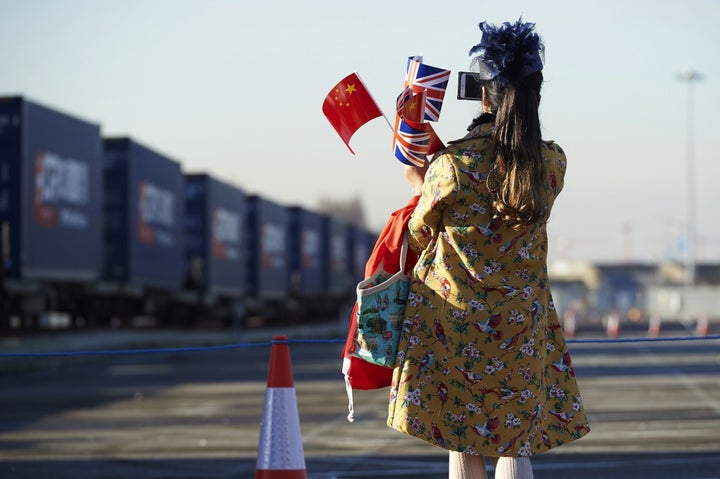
{"points": [[225, 234], [273, 246], [155, 215], [62, 191], [310, 249]]}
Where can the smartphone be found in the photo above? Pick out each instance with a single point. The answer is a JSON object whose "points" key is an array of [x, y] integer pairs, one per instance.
{"points": [[469, 86]]}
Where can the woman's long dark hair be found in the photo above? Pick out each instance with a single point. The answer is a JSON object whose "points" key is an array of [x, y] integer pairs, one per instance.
{"points": [[517, 177]]}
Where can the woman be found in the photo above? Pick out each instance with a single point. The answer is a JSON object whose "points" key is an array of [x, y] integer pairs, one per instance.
{"points": [[483, 368]]}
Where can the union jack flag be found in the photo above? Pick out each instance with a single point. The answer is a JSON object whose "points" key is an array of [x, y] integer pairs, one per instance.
{"points": [[411, 144], [419, 102], [431, 79]]}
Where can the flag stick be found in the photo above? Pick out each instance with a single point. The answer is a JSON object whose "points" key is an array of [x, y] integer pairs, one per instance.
{"points": [[388, 122]]}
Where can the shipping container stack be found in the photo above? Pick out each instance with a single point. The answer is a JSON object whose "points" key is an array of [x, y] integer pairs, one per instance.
{"points": [[50, 212], [339, 258], [268, 265], [308, 264], [361, 244], [144, 237], [110, 232], [216, 260]]}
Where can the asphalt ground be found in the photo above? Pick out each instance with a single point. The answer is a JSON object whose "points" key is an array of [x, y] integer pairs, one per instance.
{"points": [[654, 410]]}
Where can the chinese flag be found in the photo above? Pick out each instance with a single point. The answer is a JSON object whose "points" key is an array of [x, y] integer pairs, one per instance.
{"points": [[411, 105], [349, 106]]}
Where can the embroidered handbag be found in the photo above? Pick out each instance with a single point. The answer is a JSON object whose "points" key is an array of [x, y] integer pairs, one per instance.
{"points": [[381, 300]]}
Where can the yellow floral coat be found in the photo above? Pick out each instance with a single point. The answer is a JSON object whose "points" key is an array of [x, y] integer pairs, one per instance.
{"points": [[482, 367]]}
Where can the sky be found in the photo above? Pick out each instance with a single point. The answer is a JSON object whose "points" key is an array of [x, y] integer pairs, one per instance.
{"points": [[235, 88]]}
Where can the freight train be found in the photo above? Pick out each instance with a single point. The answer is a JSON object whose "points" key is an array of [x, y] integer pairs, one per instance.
{"points": [[100, 232]]}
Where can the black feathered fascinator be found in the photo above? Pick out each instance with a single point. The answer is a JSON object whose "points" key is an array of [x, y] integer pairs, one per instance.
{"points": [[508, 53]]}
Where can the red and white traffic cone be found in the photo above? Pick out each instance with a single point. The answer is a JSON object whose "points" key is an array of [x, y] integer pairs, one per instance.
{"points": [[702, 328], [280, 449], [569, 323], [613, 325], [654, 325]]}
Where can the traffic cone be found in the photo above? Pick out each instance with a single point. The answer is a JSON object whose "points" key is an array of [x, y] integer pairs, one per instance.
{"points": [[569, 323], [613, 325], [702, 328], [654, 325], [280, 449]]}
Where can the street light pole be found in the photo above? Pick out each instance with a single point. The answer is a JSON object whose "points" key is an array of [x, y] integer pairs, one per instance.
{"points": [[690, 77]]}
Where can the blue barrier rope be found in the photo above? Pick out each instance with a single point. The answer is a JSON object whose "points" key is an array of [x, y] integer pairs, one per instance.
{"points": [[642, 340], [115, 352]]}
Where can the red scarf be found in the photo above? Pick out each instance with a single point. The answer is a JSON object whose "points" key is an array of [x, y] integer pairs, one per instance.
{"points": [[361, 374]]}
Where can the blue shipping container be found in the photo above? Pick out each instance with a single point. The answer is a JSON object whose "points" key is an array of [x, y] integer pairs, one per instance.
{"points": [[268, 261], [144, 210], [50, 193], [339, 272], [215, 217], [306, 247], [362, 243]]}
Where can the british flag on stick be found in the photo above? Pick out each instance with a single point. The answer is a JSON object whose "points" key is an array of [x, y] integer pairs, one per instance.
{"points": [[419, 102], [431, 79], [411, 144]]}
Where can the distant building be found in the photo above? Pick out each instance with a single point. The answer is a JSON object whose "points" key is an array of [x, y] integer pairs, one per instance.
{"points": [[634, 290]]}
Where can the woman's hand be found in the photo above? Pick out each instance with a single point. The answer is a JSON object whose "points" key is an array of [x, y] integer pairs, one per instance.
{"points": [[415, 175]]}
